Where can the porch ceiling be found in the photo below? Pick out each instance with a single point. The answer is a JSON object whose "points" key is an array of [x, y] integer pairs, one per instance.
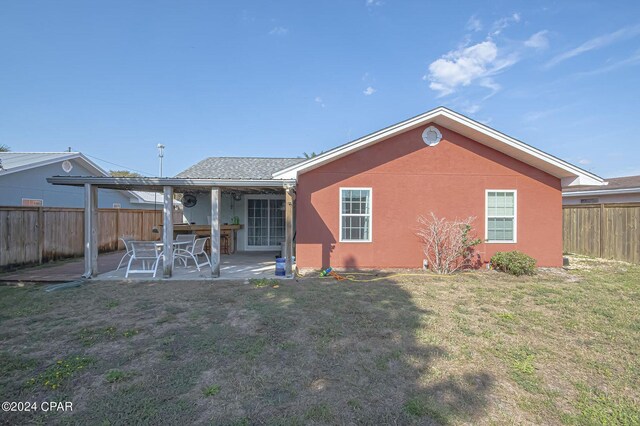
{"points": [[178, 184]]}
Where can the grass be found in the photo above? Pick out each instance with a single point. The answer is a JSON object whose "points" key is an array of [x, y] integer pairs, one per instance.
{"points": [[115, 376], [560, 347], [211, 390]]}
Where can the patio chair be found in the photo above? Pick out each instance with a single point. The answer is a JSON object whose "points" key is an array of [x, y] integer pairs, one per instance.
{"points": [[148, 254], [182, 252], [186, 237], [127, 246], [197, 250]]}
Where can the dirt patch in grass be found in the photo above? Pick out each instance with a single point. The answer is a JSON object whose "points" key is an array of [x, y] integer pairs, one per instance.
{"points": [[482, 348]]}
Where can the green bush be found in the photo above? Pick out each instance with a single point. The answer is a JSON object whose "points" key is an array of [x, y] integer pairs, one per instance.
{"points": [[514, 262]]}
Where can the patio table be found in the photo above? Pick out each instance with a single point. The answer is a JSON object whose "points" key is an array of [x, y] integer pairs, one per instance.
{"points": [[177, 246]]}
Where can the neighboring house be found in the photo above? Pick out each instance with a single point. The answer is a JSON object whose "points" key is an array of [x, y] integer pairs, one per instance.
{"points": [[617, 190], [356, 206], [23, 182]]}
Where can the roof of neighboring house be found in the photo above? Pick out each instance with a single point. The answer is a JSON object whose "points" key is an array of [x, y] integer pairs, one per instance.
{"points": [[149, 197], [569, 174], [618, 185], [13, 162], [253, 168]]}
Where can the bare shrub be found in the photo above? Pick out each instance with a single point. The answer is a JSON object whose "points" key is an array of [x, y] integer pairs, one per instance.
{"points": [[447, 244]]}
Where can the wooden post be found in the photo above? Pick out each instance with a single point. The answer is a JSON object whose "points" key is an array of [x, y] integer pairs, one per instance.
{"points": [[603, 225], [167, 233], [288, 233], [215, 231], [40, 235], [90, 231]]}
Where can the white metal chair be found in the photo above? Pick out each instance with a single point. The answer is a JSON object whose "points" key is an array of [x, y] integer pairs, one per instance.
{"points": [[186, 237], [127, 246], [148, 254], [183, 251], [196, 250]]}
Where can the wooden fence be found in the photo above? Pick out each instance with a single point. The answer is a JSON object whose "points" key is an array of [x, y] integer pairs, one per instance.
{"points": [[610, 231], [30, 235]]}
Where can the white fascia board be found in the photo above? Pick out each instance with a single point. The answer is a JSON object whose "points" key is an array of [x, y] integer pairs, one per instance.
{"points": [[569, 174], [37, 164], [601, 192]]}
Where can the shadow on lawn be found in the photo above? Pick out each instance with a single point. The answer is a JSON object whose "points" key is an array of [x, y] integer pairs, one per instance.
{"points": [[309, 351]]}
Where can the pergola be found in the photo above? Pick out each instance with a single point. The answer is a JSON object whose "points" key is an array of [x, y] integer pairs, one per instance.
{"points": [[168, 186]]}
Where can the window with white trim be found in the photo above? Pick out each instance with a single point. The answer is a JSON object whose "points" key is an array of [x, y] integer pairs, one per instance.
{"points": [[501, 216], [355, 214]]}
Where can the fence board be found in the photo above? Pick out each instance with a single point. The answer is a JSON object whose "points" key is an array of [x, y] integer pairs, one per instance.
{"points": [[610, 231], [31, 235]]}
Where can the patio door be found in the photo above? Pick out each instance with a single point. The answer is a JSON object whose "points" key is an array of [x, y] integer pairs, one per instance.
{"points": [[265, 223]]}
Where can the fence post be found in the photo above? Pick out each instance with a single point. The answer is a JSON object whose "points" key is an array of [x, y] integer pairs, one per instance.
{"points": [[602, 227], [40, 235]]}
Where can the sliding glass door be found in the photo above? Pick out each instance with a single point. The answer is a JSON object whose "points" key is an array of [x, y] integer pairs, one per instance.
{"points": [[265, 223]]}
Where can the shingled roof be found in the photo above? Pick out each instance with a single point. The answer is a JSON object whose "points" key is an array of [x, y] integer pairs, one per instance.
{"points": [[237, 168], [626, 182]]}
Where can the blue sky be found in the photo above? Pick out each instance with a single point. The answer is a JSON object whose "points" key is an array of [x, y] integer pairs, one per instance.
{"points": [[114, 78]]}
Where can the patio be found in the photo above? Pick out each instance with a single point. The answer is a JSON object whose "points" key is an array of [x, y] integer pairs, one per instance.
{"points": [[259, 187], [237, 266]]}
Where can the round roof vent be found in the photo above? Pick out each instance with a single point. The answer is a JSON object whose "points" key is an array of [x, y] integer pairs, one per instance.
{"points": [[67, 166], [431, 136]]}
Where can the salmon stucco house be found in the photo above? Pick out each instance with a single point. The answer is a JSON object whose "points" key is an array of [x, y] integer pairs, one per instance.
{"points": [[356, 205]]}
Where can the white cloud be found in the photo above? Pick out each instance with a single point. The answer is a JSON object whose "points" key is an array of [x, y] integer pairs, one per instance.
{"points": [[596, 43], [369, 91], [632, 60], [584, 161], [538, 41], [371, 3], [471, 108], [474, 24], [279, 31], [490, 84], [319, 101], [462, 67], [503, 23]]}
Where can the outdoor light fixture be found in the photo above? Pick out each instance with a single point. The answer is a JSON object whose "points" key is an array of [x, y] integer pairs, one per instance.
{"points": [[160, 156]]}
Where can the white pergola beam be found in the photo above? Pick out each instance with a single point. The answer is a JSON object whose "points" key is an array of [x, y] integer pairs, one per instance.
{"points": [[90, 231], [216, 200], [288, 247], [167, 233]]}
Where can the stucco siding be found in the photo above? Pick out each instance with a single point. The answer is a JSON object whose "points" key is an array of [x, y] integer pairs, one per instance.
{"points": [[408, 179]]}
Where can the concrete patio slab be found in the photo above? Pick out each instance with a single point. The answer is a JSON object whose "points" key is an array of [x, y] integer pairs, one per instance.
{"points": [[61, 271], [237, 266]]}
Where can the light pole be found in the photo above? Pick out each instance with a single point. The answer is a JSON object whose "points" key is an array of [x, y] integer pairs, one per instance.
{"points": [[160, 156]]}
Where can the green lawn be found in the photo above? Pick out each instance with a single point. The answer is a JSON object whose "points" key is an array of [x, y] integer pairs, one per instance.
{"points": [[561, 347]]}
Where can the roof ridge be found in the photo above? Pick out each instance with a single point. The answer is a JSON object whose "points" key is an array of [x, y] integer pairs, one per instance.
{"points": [[264, 158], [41, 152]]}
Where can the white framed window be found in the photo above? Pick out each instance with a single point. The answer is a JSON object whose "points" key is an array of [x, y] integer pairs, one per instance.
{"points": [[117, 205], [501, 215], [355, 215], [32, 202]]}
